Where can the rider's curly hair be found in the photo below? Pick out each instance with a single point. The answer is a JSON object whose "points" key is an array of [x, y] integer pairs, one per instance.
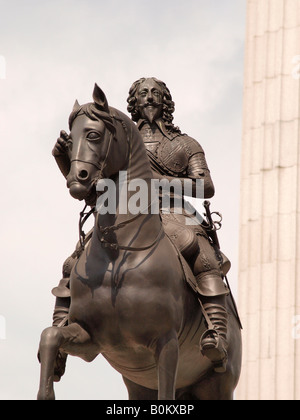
{"points": [[168, 104]]}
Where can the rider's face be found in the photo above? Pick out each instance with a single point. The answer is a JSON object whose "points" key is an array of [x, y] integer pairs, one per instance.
{"points": [[150, 100]]}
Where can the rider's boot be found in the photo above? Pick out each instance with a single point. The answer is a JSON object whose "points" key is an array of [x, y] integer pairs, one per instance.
{"points": [[61, 313], [213, 343], [60, 319]]}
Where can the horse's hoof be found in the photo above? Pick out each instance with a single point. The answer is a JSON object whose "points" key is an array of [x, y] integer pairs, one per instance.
{"points": [[45, 396]]}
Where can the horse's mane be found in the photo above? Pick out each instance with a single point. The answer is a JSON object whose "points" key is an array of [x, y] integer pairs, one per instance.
{"points": [[91, 111]]}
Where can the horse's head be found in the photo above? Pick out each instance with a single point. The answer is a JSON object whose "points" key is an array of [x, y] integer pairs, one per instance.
{"points": [[93, 138]]}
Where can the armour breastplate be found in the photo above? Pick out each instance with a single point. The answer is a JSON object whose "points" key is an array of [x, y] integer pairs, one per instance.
{"points": [[172, 156], [170, 153], [152, 138]]}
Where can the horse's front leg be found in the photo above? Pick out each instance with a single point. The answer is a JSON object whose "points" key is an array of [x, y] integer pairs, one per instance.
{"points": [[52, 339], [167, 353]]}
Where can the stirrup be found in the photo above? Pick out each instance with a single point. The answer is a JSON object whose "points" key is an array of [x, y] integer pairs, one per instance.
{"points": [[211, 346]]}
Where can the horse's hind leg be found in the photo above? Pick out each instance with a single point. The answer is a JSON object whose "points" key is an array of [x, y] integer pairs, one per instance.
{"points": [[52, 339], [138, 392], [218, 387]]}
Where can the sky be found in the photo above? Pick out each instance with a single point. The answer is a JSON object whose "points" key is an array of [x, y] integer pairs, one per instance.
{"points": [[51, 53]]}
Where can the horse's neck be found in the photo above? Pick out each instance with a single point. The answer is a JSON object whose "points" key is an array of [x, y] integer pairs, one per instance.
{"points": [[138, 162], [133, 197], [133, 184]]}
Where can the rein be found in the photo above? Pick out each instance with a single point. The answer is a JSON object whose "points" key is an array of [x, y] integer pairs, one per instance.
{"points": [[114, 246], [83, 238], [83, 217]]}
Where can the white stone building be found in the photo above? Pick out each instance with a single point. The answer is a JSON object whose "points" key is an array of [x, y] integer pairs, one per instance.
{"points": [[269, 269]]}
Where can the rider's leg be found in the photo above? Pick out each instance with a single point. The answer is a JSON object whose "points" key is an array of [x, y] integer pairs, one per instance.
{"points": [[208, 272], [61, 313], [197, 248], [63, 302], [62, 291], [213, 343]]}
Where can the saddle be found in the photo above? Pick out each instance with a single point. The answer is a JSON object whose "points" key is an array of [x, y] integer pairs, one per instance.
{"points": [[185, 244], [185, 239]]}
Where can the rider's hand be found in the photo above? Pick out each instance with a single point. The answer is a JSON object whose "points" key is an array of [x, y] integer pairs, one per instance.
{"points": [[60, 147], [60, 153]]}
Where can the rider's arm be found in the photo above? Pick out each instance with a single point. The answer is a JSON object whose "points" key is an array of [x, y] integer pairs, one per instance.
{"points": [[208, 185], [197, 169], [197, 166], [60, 153]]}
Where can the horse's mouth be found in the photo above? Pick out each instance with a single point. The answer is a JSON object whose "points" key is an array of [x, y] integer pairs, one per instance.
{"points": [[80, 192]]}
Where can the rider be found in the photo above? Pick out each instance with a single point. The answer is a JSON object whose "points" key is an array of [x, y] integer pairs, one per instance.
{"points": [[172, 155], [176, 155]]}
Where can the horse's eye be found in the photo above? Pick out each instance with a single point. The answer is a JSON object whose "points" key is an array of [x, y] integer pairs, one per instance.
{"points": [[93, 136]]}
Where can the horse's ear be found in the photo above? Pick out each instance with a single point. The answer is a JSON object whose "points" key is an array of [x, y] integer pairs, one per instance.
{"points": [[100, 99], [76, 106]]}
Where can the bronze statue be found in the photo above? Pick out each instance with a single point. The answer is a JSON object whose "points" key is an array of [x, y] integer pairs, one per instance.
{"points": [[129, 267]]}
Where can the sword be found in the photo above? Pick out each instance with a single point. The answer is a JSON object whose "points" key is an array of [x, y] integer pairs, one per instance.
{"points": [[213, 227]]}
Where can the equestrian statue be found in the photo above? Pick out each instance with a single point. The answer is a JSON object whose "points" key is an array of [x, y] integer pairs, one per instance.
{"points": [[163, 268]]}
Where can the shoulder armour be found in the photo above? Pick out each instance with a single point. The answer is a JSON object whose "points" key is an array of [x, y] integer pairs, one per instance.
{"points": [[191, 146], [174, 155]]}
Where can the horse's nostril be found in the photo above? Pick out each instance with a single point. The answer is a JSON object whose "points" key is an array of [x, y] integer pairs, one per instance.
{"points": [[83, 174]]}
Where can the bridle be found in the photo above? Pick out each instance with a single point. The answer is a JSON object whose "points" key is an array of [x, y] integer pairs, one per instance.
{"points": [[104, 231], [103, 164]]}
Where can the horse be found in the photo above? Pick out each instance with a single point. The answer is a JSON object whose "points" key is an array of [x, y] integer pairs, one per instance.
{"points": [[130, 300]]}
